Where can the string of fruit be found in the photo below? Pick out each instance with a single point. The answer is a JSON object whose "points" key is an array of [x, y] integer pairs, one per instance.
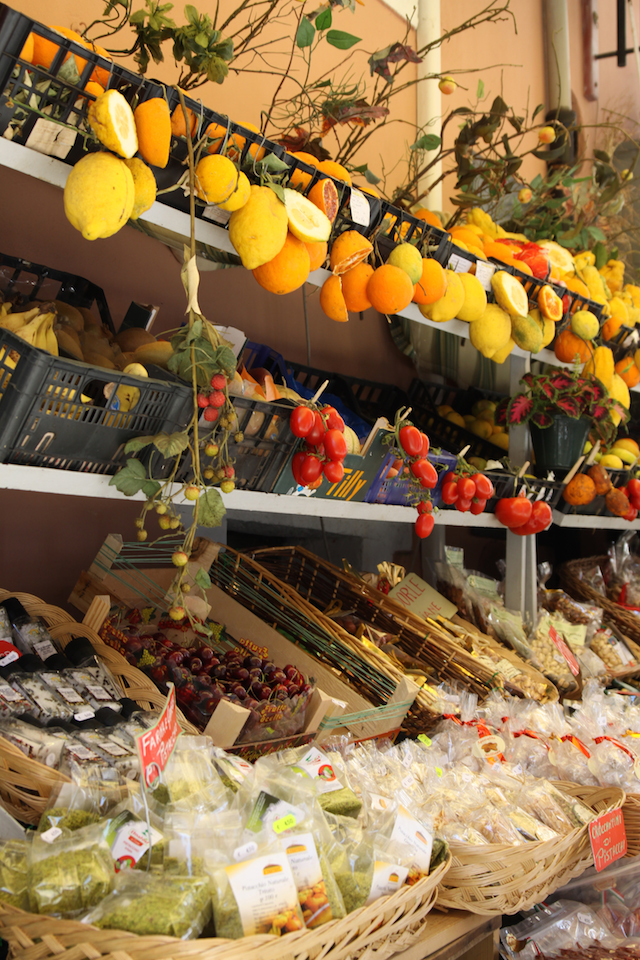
{"points": [[411, 447], [325, 447], [522, 516]]}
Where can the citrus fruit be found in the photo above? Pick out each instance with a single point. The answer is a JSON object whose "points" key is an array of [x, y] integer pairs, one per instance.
{"points": [[306, 221], [29, 46], [510, 294], [475, 298], [317, 254], [568, 346], [258, 229], [562, 261], [611, 327], [389, 289], [325, 197], [575, 284], [255, 150], [432, 284], [527, 333], [354, 287], [447, 307], [332, 301], [144, 184], [369, 190], [288, 270], [299, 178], [335, 170], [153, 126], [585, 324], [217, 133], [239, 196], [93, 88], [627, 369], [99, 195], [408, 258], [492, 332], [429, 217], [626, 443], [550, 304], [216, 178], [347, 250], [44, 50], [178, 127], [499, 357], [111, 120]]}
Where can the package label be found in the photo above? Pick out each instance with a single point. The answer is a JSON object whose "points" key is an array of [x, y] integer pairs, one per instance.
{"points": [[572, 663], [387, 878], [265, 892], [608, 839], [414, 834], [315, 764], [303, 859], [129, 839]]}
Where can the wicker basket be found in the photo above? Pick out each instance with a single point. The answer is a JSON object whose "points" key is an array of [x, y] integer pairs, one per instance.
{"points": [[25, 785], [499, 878], [581, 589], [388, 925], [631, 814]]}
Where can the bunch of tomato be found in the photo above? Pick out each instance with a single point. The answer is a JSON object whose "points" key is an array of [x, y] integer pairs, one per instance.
{"points": [[468, 492], [325, 447], [632, 490], [414, 447], [523, 517]]}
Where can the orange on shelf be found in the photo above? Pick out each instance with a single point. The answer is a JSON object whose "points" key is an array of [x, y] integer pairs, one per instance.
{"points": [[389, 289], [332, 301], [568, 346], [580, 490], [178, 126], [336, 170], [550, 304], [317, 253], [288, 270], [354, 287], [153, 126], [610, 327], [432, 285], [627, 369], [299, 178], [429, 217], [324, 196], [349, 249], [577, 286]]}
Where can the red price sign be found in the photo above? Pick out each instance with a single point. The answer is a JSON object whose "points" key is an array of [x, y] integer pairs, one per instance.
{"points": [[572, 663], [156, 745], [608, 839]]}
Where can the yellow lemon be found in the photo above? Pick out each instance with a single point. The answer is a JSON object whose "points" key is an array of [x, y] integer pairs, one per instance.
{"points": [[240, 195], [611, 461], [448, 306], [111, 120], [492, 331], [99, 195], [527, 333], [501, 355], [501, 440], [306, 221], [585, 324], [409, 259], [510, 294], [258, 230], [216, 178], [144, 184], [475, 298], [454, 417]]}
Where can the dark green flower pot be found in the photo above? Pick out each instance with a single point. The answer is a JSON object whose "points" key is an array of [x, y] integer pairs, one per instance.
{"points": [[560, 445]]}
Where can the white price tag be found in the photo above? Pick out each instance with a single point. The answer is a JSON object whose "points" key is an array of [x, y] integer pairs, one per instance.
{"points": [[360, 209], [9, 658], [50, 835], [484, 272], [84, 715], [212, 212], [408, 781], [459, 264], [243, 853]]}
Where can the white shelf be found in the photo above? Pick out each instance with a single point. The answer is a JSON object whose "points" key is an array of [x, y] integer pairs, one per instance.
{"points": [[586, 522]]}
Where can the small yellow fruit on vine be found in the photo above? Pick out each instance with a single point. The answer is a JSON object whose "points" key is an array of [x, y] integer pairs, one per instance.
{"points": [[174, 523], [546, 134], [161, 508], [139, 523], [165, 523], [211, 449], [191, 492], [447, 85], [239, 437], [179, 558], [176, 613], [525, 195], [626, 174], [208, 474], [142, 535], [227, 486], [186, 588]]}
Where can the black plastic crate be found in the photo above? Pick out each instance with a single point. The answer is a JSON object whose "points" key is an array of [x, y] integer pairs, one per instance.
{"points": [[425, 398], [44, 421], [262, 454], [22, 281], [597, 507]]}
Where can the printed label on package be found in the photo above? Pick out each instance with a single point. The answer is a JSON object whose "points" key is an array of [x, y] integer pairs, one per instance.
{"points": [[266, 895]]}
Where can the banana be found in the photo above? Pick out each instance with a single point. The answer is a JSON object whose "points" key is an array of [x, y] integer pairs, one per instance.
{"points": [[29, 330], [13, 322]]}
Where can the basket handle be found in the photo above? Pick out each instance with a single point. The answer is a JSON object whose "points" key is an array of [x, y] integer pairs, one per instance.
{"points": [[97, 612]]}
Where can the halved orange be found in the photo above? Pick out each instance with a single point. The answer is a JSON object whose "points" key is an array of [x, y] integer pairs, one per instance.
{"points": [[325, 196], [550, 304], [349, 249], [332, 300]]}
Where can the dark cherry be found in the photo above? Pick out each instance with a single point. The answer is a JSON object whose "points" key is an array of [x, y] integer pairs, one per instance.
{"points": [[177, 657], [239, 673], [207, 655], [195, 665], [219, 672], [239, 691], [280, 691], [294, 689], [255, 674], [134, 646], [268, 668], [290, 671], [265, 692], [278, 677], [252, 662], [129, 657]]}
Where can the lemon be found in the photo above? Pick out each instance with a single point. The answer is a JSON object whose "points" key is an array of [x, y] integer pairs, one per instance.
{"points": [[111, 120], [559, 257], [620, 391], [454, 417], [527, 333], [99, 195], [448, 306], [626, 443], [409, 259], [144, 184], [216, 178], [585, 324], [481, 429], [258, 229], [501, 440], [625, 455], [136, 369], [475, 298], [501, 355], [240, 195], [492, 331], [482, 405], [548, 327], [510, 294], [306, 221], [612, 461]]}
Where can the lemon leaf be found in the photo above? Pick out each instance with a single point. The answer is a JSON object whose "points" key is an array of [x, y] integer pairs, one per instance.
{"points": [[342, 40]]}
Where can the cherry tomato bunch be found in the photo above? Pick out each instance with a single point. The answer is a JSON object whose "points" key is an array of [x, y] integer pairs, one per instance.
{"points": [[414, 447], [632, 491], [213, 401], [325, 447], [523, 517], [469, 492]]}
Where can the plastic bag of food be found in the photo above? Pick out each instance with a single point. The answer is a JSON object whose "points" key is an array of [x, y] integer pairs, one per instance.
{"points": [[609, 645], [551, 656], [148, 904], [95, 686], [334, 796], [69, 874], [72, 806], [190, 777], [48, 707], [554, 808], [14, 873], [565, 924], [13, 701], [45, 746]]}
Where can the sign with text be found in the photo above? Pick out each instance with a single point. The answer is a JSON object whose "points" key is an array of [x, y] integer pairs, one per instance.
{"points": [[155, 746], [417, 596], [608, 839], [572, 663]]}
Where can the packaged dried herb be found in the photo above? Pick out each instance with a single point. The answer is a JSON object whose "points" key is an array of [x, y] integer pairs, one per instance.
{"points": [[14, 876], [190, 778], [68, 875]]}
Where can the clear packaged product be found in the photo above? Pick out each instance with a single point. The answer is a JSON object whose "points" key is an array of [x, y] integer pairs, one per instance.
{"points": [[30, 634], [190, 777], [122, 758], [69, 874], [45, 746], [14, 702], [565, 925], [96, 692], [68, 693], [14, 877], [47, 705]]}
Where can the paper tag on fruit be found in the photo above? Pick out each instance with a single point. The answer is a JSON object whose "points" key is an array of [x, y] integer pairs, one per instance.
{"points": [[315, 764], [266, 895], [459, 264], [414, 834], [484, 272], [360, 209], [572, 663], [387, 878]]}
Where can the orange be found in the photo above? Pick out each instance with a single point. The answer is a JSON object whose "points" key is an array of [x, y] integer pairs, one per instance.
{"points": [[27, 51], [500, 251], [567, 346], [550, 304], [217, 132], [332, 301], [325, 196], [288, 270], [317, 253], [354, 287], [432, 285], [99, 75], [45, 50], [93, 88], [370, 191], [349, 249], [610, 327], [389, 289], [627, 369], [299, 178], [577, 285], [467, 236], [256, 151], [153, 126], [336, 170], [431, 218], [178, 127]]}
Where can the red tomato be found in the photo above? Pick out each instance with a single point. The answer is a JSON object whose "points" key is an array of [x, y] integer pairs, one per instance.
{"points": [[296, 463], [633, 491], [540, 519], [333, 419], [631, 515], [449, 492], [429, 478], [398, 464], [319, 450], [411, 440], [484, 487], [333, 471], [424, 525], [335, 445], [463, 505], [477, 506], [316, 434], [513, 511], [450, 477], [301, 421], [425, 506], [425, 445], [310, 469], [466, 488]]}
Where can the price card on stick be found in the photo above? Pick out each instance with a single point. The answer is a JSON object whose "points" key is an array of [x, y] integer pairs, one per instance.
{"points": [[608, 839], [155, 746]]}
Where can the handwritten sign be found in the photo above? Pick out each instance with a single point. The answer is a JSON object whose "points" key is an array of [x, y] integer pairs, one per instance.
{"points": [[608, 839], [155, 746], [416, 595]]}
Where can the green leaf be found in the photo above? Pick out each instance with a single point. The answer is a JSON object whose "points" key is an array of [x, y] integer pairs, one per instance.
{"points": [[211, 509], [150, 488], [226, 360], [278, 190], [137, 443], [499, 106], [195, 331], [597, 234], [137, 17], [203, 580], [130, 479], [171, 444], [601, 255], [602, 155], [192, 15], [427, 142], [342, 40], [370, 177], [480, 90], [537, 111], [272, 164], [305, 34], [323, 21], [202, 39], [536, 183]]}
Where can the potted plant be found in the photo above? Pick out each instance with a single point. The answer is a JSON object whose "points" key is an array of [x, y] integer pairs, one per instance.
{"points": [[562, 408]]}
